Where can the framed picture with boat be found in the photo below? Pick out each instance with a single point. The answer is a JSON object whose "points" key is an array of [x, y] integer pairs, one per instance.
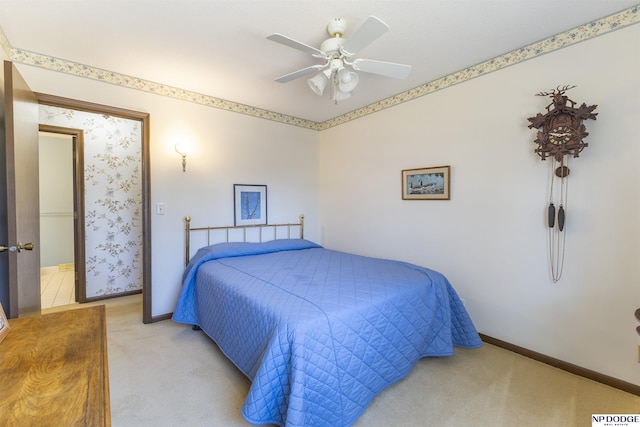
{"points": [[432, 183]]}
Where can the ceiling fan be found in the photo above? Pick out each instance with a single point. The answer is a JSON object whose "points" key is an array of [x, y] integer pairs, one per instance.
{"points": [[337, 54]]}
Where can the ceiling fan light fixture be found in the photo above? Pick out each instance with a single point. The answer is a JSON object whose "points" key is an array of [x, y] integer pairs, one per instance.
{"points": [[347, 80], [341, 96], [318, 82]]}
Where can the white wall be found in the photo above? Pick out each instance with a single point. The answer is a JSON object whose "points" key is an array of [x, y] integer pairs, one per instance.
{"points": [[490, 239], [56, 199], [227, 148]]}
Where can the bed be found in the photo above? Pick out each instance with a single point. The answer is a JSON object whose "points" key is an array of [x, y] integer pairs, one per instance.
{"points": [[318, 332]]}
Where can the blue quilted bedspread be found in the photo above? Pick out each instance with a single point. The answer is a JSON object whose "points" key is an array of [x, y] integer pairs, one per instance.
{"points": [[319, 332]]}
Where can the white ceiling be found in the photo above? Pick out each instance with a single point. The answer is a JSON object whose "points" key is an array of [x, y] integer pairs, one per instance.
{"points": [[219, 47]]}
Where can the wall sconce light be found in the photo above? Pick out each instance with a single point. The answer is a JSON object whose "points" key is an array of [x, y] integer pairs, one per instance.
{"points": [[182, 150]]}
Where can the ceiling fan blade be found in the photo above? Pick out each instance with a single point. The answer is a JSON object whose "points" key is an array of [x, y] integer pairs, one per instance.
{"points": [[279, 38], [300, 73], [388, 69], [370, 30]]}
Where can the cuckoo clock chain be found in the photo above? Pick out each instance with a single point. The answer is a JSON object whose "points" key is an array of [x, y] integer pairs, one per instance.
{"points": [[559, 137], [557, 219]]}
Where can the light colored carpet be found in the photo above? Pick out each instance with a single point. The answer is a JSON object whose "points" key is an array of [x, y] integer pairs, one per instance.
{"points": [[165, 374]]}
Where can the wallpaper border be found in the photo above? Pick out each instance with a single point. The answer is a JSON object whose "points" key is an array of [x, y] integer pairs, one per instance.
{"points": [[581, 33]]}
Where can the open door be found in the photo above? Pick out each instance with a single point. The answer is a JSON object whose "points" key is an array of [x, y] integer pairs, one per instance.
{"points": [[19, 211], [76, 239]]}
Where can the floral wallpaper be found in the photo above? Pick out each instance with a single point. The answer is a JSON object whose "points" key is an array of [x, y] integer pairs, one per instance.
{"points": [[113, 198]]}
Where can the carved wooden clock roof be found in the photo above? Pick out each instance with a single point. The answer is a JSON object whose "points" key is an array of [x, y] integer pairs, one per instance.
{"points": [[561, 130]]}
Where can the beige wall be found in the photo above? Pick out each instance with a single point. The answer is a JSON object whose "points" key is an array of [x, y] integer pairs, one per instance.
{"points": [[490, 239]]}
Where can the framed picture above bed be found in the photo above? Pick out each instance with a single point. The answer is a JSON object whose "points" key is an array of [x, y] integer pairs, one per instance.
{"points": [[250, 204], [426, 183]]}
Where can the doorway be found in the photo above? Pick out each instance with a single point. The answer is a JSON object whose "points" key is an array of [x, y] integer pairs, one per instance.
{"points": [[62, 277], [19, 112], [115, 196]]}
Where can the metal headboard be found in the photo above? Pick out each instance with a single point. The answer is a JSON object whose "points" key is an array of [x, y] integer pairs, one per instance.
{"points": [[260, 227]]}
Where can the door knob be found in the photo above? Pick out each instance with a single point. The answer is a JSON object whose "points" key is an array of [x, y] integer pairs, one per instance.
{"points": [[19, 248], [25, 247]]}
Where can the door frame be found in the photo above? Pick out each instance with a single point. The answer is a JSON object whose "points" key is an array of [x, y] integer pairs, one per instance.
{"points": [[144, 118], [80, 274]]}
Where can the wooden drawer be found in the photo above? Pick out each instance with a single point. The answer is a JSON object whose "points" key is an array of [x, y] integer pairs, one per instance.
{"points": [[54, 370]]}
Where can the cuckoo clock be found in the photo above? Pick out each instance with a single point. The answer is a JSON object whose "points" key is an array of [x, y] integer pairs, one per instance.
{"points": [[560, 137]]}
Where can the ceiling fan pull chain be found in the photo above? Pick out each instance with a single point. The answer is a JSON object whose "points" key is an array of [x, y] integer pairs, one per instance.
{"points": [[564, 192]]}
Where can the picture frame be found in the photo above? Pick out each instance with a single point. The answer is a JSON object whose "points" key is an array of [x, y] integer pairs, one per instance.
{"points": [[250, 204], [4, 324], [431, 183]]}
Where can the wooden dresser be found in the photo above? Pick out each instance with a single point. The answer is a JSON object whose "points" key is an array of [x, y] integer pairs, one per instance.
{"points": [[54, 370]]}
